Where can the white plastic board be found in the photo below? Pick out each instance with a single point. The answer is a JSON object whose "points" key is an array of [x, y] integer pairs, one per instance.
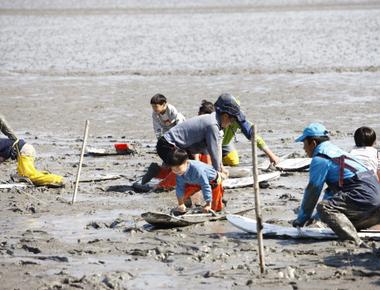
{"points": [[270, 230]]}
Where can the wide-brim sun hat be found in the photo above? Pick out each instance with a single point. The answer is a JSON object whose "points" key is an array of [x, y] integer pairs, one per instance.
{"points": [[227, 103]]}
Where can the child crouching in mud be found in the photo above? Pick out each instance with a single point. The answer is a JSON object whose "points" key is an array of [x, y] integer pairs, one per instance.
{"points": [[14, 148], [192, 175]]}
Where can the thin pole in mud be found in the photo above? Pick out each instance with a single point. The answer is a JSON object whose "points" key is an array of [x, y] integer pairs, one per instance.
{"points": [[80, 161], [257, 200]]}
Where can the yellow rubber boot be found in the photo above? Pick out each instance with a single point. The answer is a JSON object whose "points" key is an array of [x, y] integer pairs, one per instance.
{"points": [[25, 168], [231, 159]]}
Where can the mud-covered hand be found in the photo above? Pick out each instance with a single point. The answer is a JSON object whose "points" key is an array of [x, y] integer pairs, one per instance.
{"points": [[207, 207], [15, 150], [274, 159], [224, 173], [179, 210]]}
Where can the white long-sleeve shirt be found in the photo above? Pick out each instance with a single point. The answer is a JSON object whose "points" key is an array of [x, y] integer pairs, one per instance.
{"points": [[369, 156], [163, 122]]}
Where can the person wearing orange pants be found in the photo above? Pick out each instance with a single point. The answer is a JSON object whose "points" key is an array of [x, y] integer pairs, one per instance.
{"points": [[192, 175], [168, 177], [217, 194]]}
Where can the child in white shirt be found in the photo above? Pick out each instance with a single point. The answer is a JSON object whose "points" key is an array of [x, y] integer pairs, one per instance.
{"points": [[165, 116], [364, 151]]}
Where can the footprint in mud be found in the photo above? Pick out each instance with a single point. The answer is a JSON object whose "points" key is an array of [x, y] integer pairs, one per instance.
{"points": [[118, 223], [119, 188], [33, 250], [289, 197], [53, 258]]}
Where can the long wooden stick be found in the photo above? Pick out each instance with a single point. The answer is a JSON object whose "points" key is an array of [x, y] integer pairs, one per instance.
{"points": [[80, 161], [257, 200]]}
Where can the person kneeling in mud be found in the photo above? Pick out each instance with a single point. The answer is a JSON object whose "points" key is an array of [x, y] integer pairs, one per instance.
{"points": [[14, 148], [193, 175], [229, 152], [352, 199]]}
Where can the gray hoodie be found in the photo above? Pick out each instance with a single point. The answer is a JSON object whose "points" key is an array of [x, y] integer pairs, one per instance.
{"points": [[200, 134]]}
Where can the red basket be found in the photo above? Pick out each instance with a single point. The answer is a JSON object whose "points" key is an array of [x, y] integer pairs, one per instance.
{"points": [[121, 147]]}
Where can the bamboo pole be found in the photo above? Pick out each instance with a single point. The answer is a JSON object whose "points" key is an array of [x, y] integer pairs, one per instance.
{"points": [[80, 161], [257, 200]]}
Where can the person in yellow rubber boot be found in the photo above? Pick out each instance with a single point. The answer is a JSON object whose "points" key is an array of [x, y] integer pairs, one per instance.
{"points": [[14, 148]]}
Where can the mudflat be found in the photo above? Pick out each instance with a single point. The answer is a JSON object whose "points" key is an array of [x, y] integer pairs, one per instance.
{"points": [[289, 63]]}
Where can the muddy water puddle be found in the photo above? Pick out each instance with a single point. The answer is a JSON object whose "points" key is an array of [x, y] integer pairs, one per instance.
{"points": [[81, 226]]}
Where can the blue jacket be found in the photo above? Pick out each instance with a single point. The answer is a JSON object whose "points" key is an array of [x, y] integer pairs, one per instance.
{"points": [[6, 149], [324, 170], [197, 173]]}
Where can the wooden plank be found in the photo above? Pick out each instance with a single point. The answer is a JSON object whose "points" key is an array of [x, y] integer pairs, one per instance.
{"points": [[248, 181]]}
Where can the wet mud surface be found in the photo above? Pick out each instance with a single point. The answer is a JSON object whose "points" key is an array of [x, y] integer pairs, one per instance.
{"points": [[101, 242]]}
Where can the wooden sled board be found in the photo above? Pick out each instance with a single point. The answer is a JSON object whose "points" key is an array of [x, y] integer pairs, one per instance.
{"points": [[100, 151], [248, 181], [109, 150], [162, 220], [13, 185], [288, 164], [239, 171], [270, 230], [100, 178], [294, 164], [165, 221]]}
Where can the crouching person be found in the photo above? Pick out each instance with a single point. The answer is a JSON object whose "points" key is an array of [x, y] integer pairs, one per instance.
{"points": [[352, 199], [14, 148], [192, 176]]}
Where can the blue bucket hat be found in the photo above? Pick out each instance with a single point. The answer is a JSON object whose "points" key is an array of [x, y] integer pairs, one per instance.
{"points": [[313, 130], [227, 103]]}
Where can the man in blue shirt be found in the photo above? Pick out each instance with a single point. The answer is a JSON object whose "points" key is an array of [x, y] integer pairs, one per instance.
{"points": [[352, 199]]}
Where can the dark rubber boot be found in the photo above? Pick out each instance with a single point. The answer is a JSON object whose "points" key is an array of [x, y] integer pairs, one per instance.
{"points": [[153, 171]]}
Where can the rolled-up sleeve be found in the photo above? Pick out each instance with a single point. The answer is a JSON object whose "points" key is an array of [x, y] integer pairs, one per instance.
{"points": [[318, 171]]}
